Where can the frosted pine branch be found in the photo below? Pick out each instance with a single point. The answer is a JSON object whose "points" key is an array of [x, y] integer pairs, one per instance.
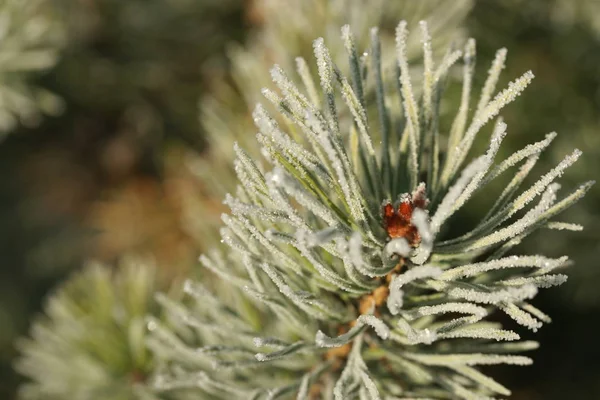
{"points": [[339, 260]]}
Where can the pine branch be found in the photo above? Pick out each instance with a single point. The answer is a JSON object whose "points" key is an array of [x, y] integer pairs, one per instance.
{"points": [[346, 278]]}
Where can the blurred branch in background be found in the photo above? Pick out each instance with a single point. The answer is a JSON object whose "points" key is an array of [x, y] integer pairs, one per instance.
{"points": [[90, 342], [89, 183], [31, 38]]}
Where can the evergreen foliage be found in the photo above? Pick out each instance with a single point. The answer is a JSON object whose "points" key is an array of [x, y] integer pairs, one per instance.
{"points": [[225, 113], [338, 279], [31, 38], [90, 343]]}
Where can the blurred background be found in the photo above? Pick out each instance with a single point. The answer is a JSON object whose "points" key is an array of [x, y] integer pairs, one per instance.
{"points": [[109, 115]]}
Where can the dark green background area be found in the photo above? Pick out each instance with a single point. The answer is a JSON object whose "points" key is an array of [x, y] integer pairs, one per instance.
{"points": [[135, 70]]}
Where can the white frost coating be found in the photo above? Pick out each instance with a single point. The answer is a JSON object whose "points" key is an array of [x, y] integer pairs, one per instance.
{"points": [[424, 336], [323, 236], [445, 208], [252, 272], [497, 137], [296, 103], [351, 372], [273, 98], [370, 167], [282, 312], [508, 95], [395, 298], [420, 272], [196, 380], [340, 385], [536, 312], [509, 294], [518, 156], [384, 115], [462, 392], [293, 348], [244, 209], [223, 273], [428, 75], [370, 385], [567, 201], [296, 100], [463, 308], [341, 246], [521, 317], [326, 272], [356, 255], [526, 197], [304, 386], [491, 81], [269, 341], [420, 219], [458, 125], [398, 246], [247, 168], [417, 336], [564, 226], [201, 294], [308, 81], [354, 95], [409, 103], [325, 69], [470, 270], [352, 255], [482, 379], [188, 286], [273, 137], [355, 248], [228, 233], [380, 328], [283, 258], [338, 159], [468, 359], [520, 225], [482, 333], [506, 194], [448, 61], [279, 179], [350, 45], [543, 182], [276, 176], [276, 236], [544, 281], [300, 299]]}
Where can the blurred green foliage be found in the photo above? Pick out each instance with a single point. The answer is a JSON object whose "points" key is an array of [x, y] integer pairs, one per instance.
{"points": [[90, 344], [31, 38], [129, 75]]}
